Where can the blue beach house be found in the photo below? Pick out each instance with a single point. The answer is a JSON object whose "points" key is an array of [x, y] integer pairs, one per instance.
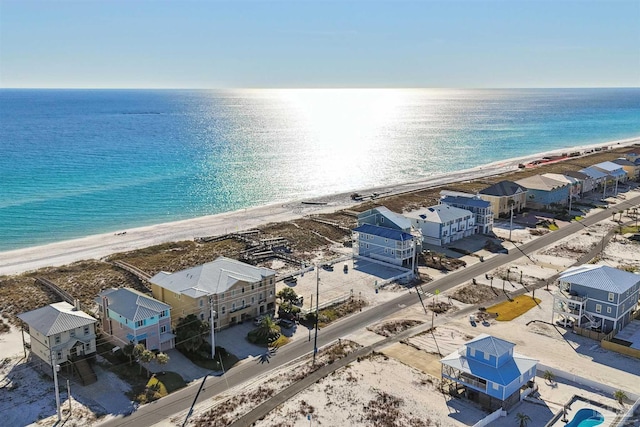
{"points": [[545, 192], [386, 244], [131, 316], [597, 297], [383, 217], [481, 208], [486, 370]]}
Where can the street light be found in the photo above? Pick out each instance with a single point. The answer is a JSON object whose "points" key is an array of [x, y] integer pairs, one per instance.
{"points": [[213, 318]]}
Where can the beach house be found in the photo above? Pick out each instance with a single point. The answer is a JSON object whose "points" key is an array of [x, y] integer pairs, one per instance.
{"points": [[129, 316], [544, 192], [62, 334], [384, 217], [587, 184], [575, 185], [233, 290], [504, 196], [632, 169], [599, 178], [615, 174], [443, 224], [386, 244], [479, 207], [486, 370], [596, 297]]}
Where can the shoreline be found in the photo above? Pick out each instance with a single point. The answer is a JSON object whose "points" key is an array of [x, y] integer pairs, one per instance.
{"points": [[97, 246]]}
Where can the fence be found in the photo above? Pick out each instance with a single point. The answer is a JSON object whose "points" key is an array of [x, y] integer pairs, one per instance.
{"points": [[598, 336], [491, 417], [66, 296], [618, 348], [335, 301]]}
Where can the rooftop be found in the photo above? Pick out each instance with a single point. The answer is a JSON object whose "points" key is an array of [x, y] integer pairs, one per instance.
{"points": [[503, 188], [541, 182], [131, 304], [466, 201], [211, 278], [56, 318], [440, 214], [388, 233], [610, 168], [600, 277], [400, 221], [593, 172]]}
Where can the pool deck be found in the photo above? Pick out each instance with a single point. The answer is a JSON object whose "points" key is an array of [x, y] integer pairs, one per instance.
{"points": [[578, 403]]}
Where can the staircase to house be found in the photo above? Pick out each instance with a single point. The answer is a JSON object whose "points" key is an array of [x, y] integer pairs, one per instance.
{"points": [[84, 371]]}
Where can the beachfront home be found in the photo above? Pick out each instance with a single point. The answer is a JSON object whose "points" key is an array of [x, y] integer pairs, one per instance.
{"points": [[234, 290], [544, 192], [480, 208], [587, 184], [386, 244], [633, 155], [443, 224], [489, 372], [383, 217], [575, 187], [599, 178], [614, 172], [632, 169], [504, 196], [597, 297], [62, 333], [129, 316]]}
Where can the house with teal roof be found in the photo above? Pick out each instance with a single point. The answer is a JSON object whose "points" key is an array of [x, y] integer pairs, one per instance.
{"points": [[486, 370]]}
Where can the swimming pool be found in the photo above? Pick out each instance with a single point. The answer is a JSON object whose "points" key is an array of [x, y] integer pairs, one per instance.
{"points": [[586, 418]]}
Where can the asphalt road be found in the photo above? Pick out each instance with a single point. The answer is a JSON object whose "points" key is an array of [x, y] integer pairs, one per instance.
{"points": [[181, 400]]}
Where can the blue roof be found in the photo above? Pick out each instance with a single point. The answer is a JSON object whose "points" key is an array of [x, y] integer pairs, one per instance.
{"points": [[388, 233], [465, 201], [132, 304], [492, 345], [601, 277]]}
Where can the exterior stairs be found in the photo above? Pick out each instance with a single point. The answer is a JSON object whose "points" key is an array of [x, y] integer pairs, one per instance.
{"points": [[85, 371]]}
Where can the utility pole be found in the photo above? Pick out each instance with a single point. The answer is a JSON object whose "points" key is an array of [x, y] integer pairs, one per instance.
{"points": [[213, 317], [69, 396], [315, 339], [55, 384], [195, 399], [511, 223]]}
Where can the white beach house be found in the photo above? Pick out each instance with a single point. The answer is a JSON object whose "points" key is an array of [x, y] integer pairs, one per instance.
{"points": [[443, 224]]}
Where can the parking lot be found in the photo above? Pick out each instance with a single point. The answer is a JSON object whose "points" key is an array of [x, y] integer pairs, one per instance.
{"points": [[358, 280]]}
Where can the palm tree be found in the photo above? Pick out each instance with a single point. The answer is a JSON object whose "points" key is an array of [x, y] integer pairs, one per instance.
{"points": [[548, 376], [268, 330], [162, 359], [127, 350], [620, 396], [145, 358], [523, 419]]}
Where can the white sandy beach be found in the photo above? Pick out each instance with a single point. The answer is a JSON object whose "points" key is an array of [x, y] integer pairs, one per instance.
{"points": [[98, 246]]}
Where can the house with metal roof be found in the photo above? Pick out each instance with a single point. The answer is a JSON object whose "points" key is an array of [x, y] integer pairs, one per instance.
{"points": [[544, 192], [504, 196], [486, 370], [598, 297], [587, 184], [632, 169], [479, 207], [60, 333], [575, 185], [443, 224], [386, 244], [384, 217], [633, 155], [129, 316], [615, 173], [235, 291]]}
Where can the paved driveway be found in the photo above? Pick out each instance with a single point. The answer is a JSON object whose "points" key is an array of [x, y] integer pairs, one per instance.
{"points": [[180, 364]]}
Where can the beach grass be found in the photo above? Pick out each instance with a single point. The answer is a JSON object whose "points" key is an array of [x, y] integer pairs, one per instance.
{"points": [[509, 310]]}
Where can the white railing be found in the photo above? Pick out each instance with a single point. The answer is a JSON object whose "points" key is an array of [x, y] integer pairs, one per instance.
{"points": [[490, 418]]}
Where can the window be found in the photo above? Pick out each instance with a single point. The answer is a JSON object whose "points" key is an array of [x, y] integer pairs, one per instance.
{"points": [[233, 306], [201, 302], [163, 314], [386, 250], [253, 300], [611, 297], [495, 386], [201, 316], [609, 310], [367, 246], [253, 286], [57, 339], [598, 308], [487, 356], [243, 290], [221, 295], [86, 330], [382, 219], [386, 240], [139, 323], [120, 325], [260, 295], [270, 293], [223, 309], [72, 333], [243, 304], [87, 347], [472, 352], [59, 355], [163, 329]]}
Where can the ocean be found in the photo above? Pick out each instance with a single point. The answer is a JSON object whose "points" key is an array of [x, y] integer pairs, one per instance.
{"points": [[81, 162]]}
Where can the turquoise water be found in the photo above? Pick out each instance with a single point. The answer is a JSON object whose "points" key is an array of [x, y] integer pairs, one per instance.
{"points": [[79, 162], [586, 418]]}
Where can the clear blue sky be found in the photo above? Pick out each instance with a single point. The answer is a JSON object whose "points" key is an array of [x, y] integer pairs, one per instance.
{"points": [[358, 43]]}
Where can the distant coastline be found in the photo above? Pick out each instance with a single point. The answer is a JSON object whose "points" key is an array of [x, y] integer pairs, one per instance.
{"points": [[100, 245]]}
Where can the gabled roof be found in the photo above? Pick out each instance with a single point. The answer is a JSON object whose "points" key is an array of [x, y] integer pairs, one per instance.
{"points": [[623, 162], [562, 178], [400, 221], [594, 173], [541, 182], [600, 277], [466, 201], [388, 233], [56, 318], [610, 168], [131, 304], [440, 214], [489, 344], [635, 151], [577, 175], [211, 278], [502, 189]]}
